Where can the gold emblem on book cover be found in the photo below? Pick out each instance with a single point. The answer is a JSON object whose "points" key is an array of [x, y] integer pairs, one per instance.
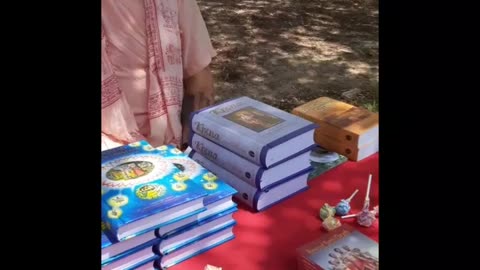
{"points": [[151, 191]]}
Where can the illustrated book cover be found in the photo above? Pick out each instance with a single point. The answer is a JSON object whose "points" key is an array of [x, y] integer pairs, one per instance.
{"points": [[254, 130], [192, 171], [140, 191], [341, 249]]}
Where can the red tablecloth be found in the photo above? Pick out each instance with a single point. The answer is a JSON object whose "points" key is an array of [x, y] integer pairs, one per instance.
{"points": [[268, 240]]}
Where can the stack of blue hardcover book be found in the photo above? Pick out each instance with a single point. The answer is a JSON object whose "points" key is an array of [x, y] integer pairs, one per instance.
{"points": [[159, 207], [262, 151]]}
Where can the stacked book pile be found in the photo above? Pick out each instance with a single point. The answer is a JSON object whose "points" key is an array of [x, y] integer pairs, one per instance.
{"points": [[263, 152], [160, 208], [343, 128]]}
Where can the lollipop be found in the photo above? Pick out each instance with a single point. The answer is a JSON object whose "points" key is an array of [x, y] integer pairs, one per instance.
{"points": [[366, 203], [349, 216], [331, 223], [343, 207], [374, 212], [366, 218], [326, 211]]}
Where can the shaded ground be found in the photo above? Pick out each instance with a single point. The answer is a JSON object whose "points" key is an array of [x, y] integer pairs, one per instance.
{"points": [[287, 52]]}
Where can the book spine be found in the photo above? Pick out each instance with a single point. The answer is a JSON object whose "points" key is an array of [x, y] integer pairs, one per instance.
{"points": [[227, 137], [342, 135], [246, 193], [244, 169]]}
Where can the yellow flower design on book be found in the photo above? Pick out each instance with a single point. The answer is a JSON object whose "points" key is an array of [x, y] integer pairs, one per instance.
{"points": [[114, 213], [148, 148], [118, 201], [135, 144], [179, 186], [209, 177], [210, 185], [175, 151], [180, 177], [151, 191]]}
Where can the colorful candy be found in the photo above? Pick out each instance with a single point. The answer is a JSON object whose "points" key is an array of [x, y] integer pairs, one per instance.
{"points": [[366, 218], [326, 211], [343, 207], [331, 223]]}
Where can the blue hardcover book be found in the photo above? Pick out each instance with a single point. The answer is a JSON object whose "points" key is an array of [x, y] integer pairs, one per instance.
{"points": [[244, 169], [149, 265], [105, 244], [254, 130], [219, 193], [115, 250], [253, 197], [140, 193], [119, 251], [195, 249], [196, 232], [137, 260]]}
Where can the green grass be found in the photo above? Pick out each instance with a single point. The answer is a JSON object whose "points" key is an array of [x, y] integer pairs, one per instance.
{"points": [[371, 106]]}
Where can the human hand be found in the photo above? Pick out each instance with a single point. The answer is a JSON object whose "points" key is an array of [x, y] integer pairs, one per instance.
{"points": [[199, 91]]}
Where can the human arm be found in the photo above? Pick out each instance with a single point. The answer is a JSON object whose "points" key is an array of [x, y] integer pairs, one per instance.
{"points": [[197, 54]]}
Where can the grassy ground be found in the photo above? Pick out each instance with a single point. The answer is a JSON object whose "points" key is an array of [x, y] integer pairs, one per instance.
{"points": [[287, 52]]}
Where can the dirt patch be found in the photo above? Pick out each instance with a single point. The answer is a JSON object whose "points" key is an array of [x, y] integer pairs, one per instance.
{"points": [[286, 53]]}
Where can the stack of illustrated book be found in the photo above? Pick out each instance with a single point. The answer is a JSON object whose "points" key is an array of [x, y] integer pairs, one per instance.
{"points": [[263, 152], [343, 128], [159, 207]]}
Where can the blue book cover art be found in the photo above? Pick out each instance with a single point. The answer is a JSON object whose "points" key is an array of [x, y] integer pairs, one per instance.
{"points": [[215, 188], [138, 182], [249, 127]]}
